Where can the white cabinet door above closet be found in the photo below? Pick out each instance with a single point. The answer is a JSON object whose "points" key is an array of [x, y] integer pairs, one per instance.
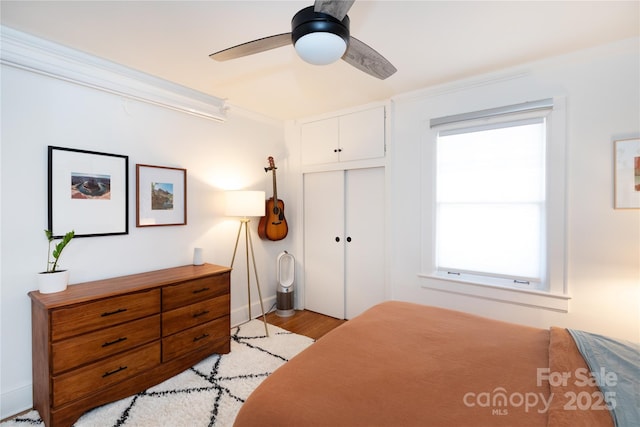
{"points": [[320, 141], [350, 137], [362, 135]]}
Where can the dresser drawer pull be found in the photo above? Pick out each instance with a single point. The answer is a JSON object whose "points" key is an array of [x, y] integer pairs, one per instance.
{"points": [[202, 313], [197, 291], [115, 371], [107, 344], [110, 313], [200, 337]]}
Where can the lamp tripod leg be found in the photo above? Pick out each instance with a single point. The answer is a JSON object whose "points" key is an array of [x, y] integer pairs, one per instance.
{"points": [[246, 252], [233, 258], [255, 271]]}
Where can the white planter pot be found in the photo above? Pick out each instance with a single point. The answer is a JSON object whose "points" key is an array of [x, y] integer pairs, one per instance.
{"points": [[49, 283]]}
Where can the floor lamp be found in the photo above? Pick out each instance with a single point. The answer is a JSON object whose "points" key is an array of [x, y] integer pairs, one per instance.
{"points": [[246, 204]]}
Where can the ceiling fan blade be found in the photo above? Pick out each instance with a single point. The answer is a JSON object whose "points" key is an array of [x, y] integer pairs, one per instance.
{"points": [[368, 60], [255, 46], [336, 8]]}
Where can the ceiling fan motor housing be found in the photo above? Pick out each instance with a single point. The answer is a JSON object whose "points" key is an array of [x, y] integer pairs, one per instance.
{"points": [[308, 21]]}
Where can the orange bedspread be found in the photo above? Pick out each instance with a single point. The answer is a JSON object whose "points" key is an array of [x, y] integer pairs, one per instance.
{"points": [[402, 364]]}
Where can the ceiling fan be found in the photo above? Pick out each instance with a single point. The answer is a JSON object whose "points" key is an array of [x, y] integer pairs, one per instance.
{"points": [[320, 35]]}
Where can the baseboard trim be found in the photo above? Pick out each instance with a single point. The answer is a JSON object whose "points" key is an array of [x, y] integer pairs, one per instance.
{"points": [[16, 401], [241, 315]]}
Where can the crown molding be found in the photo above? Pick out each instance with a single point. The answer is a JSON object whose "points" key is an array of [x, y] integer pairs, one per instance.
{"points": [[30, 53]]}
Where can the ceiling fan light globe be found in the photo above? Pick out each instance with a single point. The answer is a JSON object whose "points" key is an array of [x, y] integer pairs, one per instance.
{"points": [[320, 48]]}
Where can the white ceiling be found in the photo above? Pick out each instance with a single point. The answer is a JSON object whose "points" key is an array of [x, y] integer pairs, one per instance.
{"points": [[429, 42]]}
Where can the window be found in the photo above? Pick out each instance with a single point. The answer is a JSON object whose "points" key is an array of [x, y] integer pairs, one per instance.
{"points": [[498, 200], [490, 202]]}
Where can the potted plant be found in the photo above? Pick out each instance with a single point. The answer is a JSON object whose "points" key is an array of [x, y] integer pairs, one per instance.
{"points": [[54, 280]]}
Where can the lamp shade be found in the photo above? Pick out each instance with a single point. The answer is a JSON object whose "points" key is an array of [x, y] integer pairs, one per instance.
{"points": [[245, 203]]}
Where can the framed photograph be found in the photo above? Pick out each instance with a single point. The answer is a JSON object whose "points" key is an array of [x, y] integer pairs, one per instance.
{"points": [[161, 196], [627, 173], [88, 192]]}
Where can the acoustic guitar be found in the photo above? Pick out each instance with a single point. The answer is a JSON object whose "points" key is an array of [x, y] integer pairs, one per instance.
{"points": [[273, 226]]}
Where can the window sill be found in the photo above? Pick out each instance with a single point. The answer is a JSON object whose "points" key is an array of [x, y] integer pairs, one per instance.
{"points": [[524, 297]]}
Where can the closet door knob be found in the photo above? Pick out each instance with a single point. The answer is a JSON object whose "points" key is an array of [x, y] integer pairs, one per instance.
{"points": [[337, 239], [348, 239]]}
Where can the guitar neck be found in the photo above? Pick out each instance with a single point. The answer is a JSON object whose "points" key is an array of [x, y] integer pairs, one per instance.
{"points": [[275, 187]]}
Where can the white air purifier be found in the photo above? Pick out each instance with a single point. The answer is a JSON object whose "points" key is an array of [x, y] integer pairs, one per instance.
{"points": [[286, 271]]}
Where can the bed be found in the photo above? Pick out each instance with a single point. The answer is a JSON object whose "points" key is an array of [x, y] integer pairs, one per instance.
{"points": [[403, 364]]}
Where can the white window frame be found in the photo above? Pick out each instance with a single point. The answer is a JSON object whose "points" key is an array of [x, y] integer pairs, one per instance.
{"points": [[555, 295]]}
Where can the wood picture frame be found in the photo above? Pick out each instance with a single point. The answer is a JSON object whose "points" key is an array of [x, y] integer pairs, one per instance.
{"points": [[88, 192], [161, 196], [627, 173]]}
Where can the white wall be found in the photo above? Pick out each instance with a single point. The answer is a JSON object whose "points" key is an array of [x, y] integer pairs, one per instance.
{"points": [[602, 89], [38, 111]]}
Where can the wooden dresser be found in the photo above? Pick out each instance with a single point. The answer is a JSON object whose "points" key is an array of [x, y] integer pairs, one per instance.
{"points": [[101, 341]]}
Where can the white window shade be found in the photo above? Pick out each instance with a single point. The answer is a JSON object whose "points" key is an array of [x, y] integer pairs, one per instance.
{"points": [[500, 165], [490, 198], [500, 240]]}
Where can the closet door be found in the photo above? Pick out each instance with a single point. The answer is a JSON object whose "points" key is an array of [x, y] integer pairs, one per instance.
{"points": [[324, 242], [365, 240]]}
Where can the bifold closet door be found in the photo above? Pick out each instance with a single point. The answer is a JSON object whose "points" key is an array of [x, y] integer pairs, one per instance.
{"points": [[324, 242], [365, 240], [344, 235]]}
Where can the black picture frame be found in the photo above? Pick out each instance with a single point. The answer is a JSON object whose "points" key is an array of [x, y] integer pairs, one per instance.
{"points": [[88, 192]]}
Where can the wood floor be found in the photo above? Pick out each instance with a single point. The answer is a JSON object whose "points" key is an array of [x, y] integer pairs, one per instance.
{"points": [[304, 322]]}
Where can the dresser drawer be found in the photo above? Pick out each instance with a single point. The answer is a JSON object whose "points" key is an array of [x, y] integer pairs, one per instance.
{"points": [[195, 314], [82, 318], [209, 334], [87, 348], [92, 378], [194, 290]]}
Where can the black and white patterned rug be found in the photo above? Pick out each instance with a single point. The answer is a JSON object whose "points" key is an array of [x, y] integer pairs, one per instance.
{"points": [[208, 394]]}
